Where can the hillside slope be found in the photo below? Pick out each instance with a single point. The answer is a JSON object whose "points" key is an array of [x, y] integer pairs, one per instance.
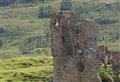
{"points": [[21, 27]]}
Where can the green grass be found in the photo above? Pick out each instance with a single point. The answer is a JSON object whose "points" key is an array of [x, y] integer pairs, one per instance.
{"points": [[111, 45], [28, 69]]}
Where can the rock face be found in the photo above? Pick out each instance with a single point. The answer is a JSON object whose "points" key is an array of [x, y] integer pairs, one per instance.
{"points": [[73, 49]]}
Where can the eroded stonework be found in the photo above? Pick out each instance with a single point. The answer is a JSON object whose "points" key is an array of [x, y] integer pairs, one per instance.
{"points": [[110, 57], [73, 48]]}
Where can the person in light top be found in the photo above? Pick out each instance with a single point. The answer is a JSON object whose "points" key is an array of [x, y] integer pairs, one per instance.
{"points": [[56, 23]]}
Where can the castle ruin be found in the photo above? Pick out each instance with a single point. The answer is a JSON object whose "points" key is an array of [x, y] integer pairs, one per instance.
{"points": [[74, 48]]}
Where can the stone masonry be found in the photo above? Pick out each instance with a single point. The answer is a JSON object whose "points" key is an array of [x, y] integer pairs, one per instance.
{"points": [[73, 48], [113, 58]]}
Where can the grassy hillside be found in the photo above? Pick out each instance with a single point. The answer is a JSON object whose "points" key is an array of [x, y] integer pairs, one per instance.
{"points": [[34, 69], [21, 24], [26, 69]]}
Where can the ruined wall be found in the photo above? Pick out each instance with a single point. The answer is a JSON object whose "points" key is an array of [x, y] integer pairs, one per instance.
{"points": [[73, 49], [115, 61], [104, 57], [87, 42], [113, 58]]}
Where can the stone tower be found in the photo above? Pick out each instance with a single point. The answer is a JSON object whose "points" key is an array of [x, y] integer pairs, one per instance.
{"points": [[73, 48]]}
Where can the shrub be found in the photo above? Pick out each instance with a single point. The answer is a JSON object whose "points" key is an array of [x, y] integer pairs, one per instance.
{"points": [[6, 2], [38, 50], [42, 51], [66, 5], [105, 75], [1, 43], [44, 11]]}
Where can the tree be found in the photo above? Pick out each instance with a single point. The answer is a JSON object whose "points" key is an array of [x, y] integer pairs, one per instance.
{"points": [[1, 43], [26, 1], [66, 5], [41, 42], [44, 11], [23, 49], [41, 0], [47, 36], [6, 2]]}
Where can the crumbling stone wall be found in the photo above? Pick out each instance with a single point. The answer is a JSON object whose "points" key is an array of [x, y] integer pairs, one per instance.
{"points": [[104, 56], [73, 49], [113, 58], [87, 42], [115, 61]]}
